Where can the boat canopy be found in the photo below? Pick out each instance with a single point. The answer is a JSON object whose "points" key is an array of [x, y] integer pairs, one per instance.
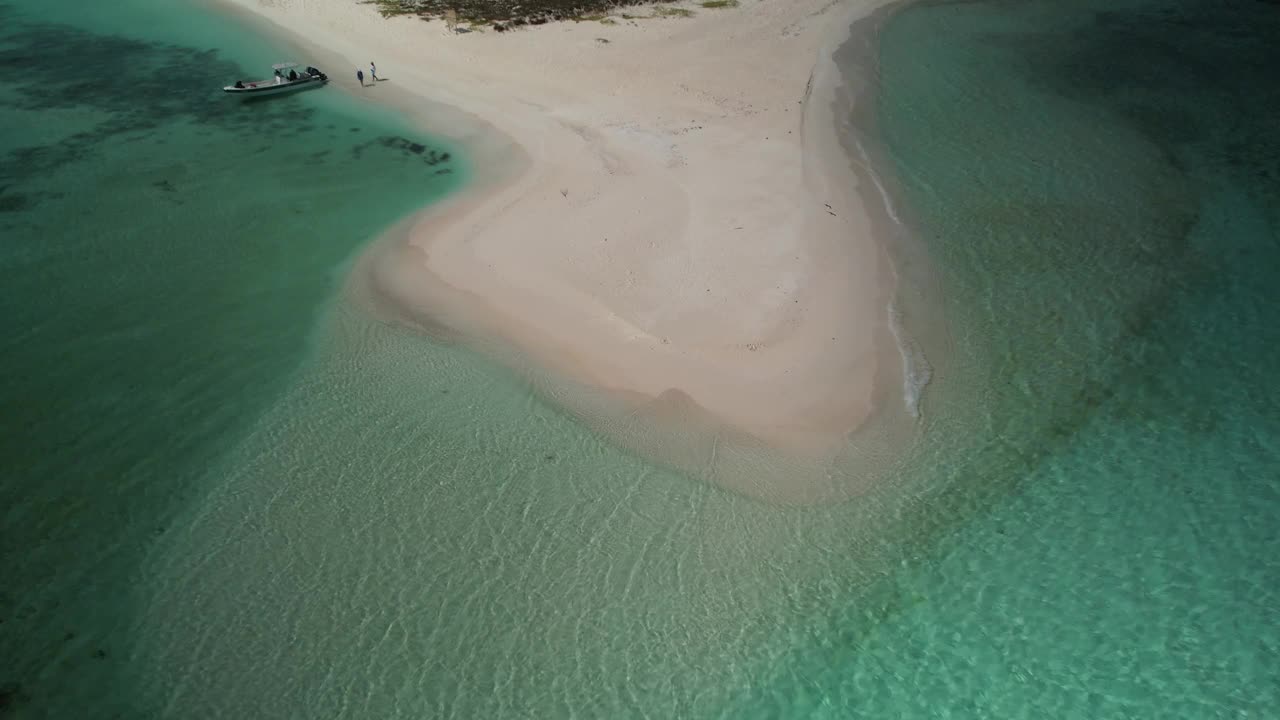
{"points": [[284, 66]]}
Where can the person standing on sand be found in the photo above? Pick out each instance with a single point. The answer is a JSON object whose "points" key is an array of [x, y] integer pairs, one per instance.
{"points": [[373, 71], [360, 77]]}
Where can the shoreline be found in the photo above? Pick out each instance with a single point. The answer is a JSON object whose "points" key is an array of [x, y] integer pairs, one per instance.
{"points": [[741, 326], [912, 318]]}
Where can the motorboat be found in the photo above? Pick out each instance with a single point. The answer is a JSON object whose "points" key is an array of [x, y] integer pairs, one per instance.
{"points": [[285, 79]]}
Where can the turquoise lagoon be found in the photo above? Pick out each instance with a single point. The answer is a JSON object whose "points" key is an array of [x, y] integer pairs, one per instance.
{"points": [[229, 493], [170, 257]]}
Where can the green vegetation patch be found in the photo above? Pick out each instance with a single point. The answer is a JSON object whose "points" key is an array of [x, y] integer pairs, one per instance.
{"points": [[668, 11], [391, 8], [508, 14]]}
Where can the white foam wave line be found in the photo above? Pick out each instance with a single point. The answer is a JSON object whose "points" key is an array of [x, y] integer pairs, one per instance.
{"points": [[875, 178], [916, 371]]}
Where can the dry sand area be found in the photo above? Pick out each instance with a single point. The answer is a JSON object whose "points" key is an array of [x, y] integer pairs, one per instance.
{"points": [[663, 229]]}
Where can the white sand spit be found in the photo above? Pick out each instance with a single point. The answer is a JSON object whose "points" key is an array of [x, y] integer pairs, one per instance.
{"points": [[662, 211]]}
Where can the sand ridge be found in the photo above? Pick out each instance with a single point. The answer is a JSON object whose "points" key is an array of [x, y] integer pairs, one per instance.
{"points": [[662, 208]]}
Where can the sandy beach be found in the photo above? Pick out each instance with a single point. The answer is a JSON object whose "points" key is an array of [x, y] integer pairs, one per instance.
{"points": [[663, 227]]}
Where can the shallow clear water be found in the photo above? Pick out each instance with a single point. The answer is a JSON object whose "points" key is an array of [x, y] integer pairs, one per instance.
{"points": [[167, 258], [1099, 186], [229, 493]]}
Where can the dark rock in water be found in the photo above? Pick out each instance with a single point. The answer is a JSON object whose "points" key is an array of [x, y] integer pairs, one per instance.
{"points": [[444, 157], [404, 145], [11, 696], [13, 202]]}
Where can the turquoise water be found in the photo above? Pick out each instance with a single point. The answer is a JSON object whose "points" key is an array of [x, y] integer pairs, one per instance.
{"points": [[1099, 187], [167, 259], [229, 493]]}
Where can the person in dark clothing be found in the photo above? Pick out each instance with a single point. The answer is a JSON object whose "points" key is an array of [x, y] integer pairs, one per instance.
{"points": [[293, 75], [360, 77]]}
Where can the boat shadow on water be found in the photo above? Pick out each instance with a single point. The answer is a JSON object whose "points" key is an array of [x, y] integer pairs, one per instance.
{"points": [[281, 95]]}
